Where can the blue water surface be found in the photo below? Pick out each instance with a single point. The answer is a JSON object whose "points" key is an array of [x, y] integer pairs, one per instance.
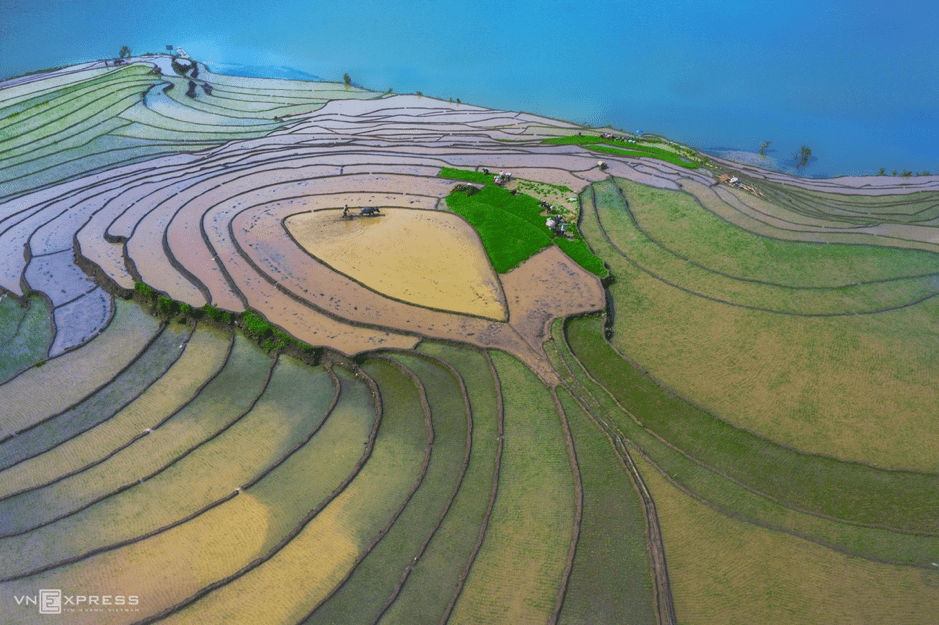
{"points": [[854, 80]]}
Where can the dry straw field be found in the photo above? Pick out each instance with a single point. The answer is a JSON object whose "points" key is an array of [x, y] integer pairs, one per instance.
{"points": [[225, 401]]}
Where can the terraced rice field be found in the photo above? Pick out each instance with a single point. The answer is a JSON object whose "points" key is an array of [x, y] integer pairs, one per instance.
{"points": [[714, 558], [824, 382], [532, 523], [223, 400]]}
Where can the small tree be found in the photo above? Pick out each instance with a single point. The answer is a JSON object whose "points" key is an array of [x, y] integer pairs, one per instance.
{"points": [[802, 156], [124, 53], [346, 79], [763, 147], [882, 172]]}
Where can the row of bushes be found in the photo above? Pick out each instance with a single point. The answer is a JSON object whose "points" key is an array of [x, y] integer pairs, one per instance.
{"points": [[254, 326]]}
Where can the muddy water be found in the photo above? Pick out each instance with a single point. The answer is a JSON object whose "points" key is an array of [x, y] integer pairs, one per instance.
{"points": [[47, 390], [426, 258], [204, 355]]}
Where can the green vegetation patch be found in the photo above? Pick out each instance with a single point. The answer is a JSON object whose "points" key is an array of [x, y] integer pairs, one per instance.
{"points": [[254, 326], [511, 226], [508, 239], [465, 174], [580, 252], [11, 316], [622, 148]]}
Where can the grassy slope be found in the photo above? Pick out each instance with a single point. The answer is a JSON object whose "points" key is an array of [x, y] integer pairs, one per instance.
{"points": [[292, 407], [857, 209], [202, 358], [850, 386], [219, 404], [679, 223], [844, 490], [854, 296], [103, 403], [342, 531], [77, 373]]}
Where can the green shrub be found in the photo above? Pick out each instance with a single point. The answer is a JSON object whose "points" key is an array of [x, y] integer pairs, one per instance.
{"points": [[219, 316], [255, 326], [167, 307], [145, 290]]}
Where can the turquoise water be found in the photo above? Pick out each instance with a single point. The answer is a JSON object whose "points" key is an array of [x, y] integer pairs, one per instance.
{"points": [[854, 80]]}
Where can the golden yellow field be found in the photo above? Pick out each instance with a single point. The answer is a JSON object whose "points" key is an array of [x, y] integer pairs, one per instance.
{"points": [[724, 571], [427, 258]]}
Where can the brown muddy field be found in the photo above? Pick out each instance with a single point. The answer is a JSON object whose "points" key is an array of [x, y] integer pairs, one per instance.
{"points": [[428, 258], [547, 286]]}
